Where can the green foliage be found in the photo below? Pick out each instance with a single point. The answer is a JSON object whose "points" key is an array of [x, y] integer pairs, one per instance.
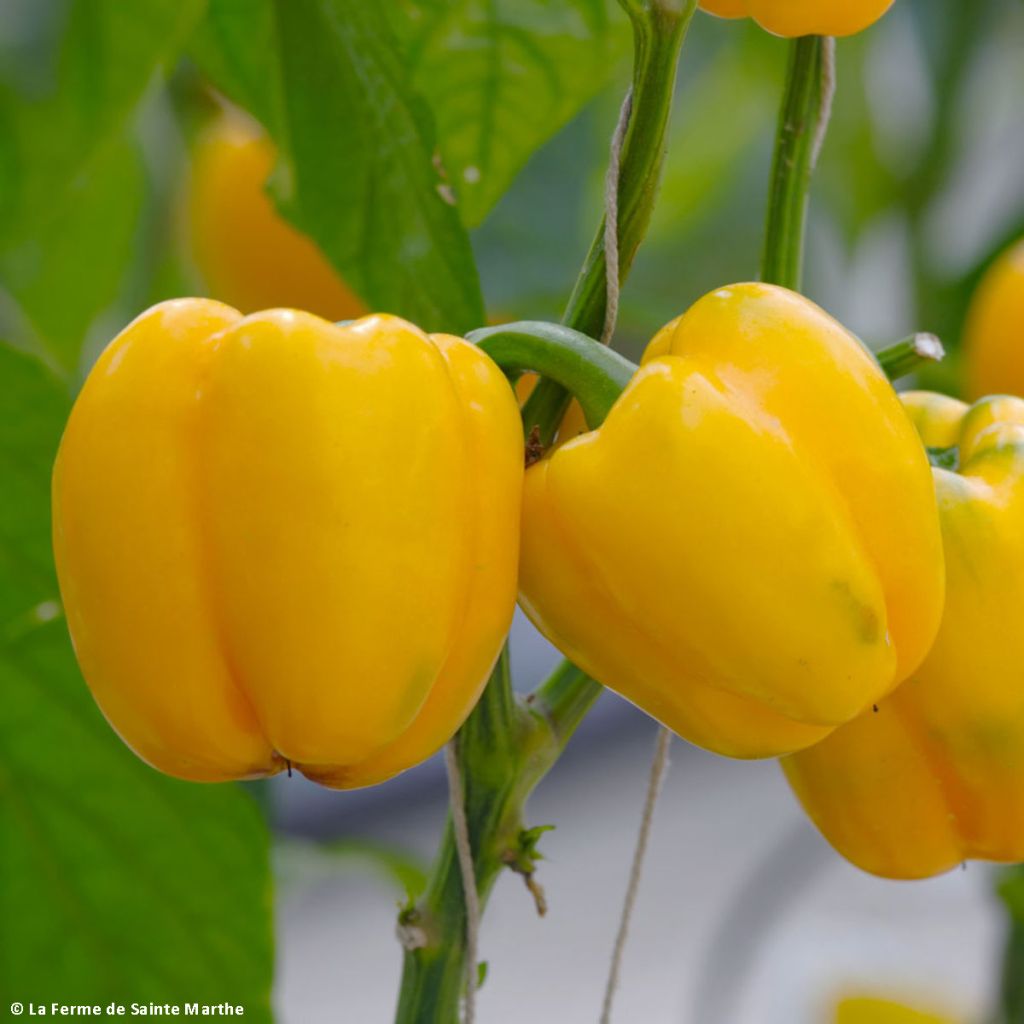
{"points": [[433, 111], [72, 186], [502, 76], [108, 54], [363, 177], [72, 267], [115, 882], [359, 169]]}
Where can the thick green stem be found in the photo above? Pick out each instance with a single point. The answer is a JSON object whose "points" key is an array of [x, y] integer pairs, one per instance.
{"points": [[507, 746], [803, 120], [659, 28], [591, 372], [1012, 989], [493, 741], [1010, 887]]}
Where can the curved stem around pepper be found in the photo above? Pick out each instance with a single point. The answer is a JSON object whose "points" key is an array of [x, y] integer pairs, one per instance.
{"points": [[803, 120], [591, 372]]}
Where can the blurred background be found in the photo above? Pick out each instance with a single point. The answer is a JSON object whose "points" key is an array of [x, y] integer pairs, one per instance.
{"points": [[745, 915]]}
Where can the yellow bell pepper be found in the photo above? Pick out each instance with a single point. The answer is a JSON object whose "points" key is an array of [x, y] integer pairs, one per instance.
{"points": [[869, 1010], [285, 542], [936, 776], [748, 548], [792, 18], [994, 332], [248, 255]]}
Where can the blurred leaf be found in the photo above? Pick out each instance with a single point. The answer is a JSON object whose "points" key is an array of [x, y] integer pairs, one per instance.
{"points": [[115, 882], [502, 76], [109, 53], [232, 45], [71, 269]]}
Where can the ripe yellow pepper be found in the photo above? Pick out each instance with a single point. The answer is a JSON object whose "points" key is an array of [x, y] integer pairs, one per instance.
{"points": [[247, 254], [792, 18], [994, 333], [936, 775], [283, 541], [748, 548]]}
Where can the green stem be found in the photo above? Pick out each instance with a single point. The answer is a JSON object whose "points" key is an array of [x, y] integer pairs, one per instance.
{"points": [[1012, 989], [909, 355], [590, 371], [507, 746], [433, 975], [659, 29], [1010, 887], [803, 120]]}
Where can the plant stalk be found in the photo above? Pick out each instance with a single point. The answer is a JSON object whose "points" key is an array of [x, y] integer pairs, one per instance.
{"points": [[588, 370], [508, 745], [659, 29], [803, 120]]}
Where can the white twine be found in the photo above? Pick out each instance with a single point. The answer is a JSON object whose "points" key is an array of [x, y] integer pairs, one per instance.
{"points": [[659, 768], [611, 221], [464, 850], [828, 93]]}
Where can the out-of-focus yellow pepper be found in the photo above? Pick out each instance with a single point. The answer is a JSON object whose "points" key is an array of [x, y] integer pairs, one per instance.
{"points": [[869, 1010], [748, 548], [792, 18], [936, 776], [994, 333], [283, 541], [248, 255]]}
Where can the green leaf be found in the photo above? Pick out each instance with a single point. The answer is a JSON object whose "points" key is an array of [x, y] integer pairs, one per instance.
{"points": [[108, 54], [231, 46], [115, 882], [361, 174], [70, 270], [502, 77], [359, 170]]}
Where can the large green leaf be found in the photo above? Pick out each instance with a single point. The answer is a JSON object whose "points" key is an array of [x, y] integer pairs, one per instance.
{"points": [[52, 132], [232, 46], [115, 882], [502, 76], [364, 180], [359, 170]]}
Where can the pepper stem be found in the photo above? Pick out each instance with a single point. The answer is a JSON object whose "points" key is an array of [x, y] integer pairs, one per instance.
{"points": [[591, 372], [910, 354], [659, 29], [803, 120]]}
